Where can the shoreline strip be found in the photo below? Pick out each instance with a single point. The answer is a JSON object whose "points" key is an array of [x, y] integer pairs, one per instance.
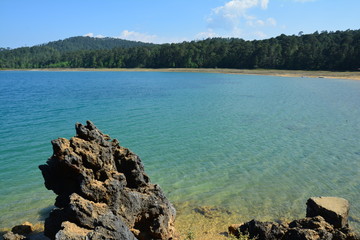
{"points": [[268, 72]]}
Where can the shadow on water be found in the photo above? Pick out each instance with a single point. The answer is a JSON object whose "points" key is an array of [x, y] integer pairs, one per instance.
{"points": [[44, 213], [225, 234], [1, 234]]}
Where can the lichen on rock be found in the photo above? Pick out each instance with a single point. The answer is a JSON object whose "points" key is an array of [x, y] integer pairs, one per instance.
{"points": [[103, 191]]}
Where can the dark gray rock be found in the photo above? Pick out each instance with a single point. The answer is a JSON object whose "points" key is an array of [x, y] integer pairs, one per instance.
{"points": [[102, 187], [116, 230], [301, 234], [263, 230], [23, 229], [309, 228], [333, 209], [317, 222]]}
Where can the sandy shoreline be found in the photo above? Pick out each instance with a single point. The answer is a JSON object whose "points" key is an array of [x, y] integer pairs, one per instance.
{"points": [[189, 224], [270, 72]]}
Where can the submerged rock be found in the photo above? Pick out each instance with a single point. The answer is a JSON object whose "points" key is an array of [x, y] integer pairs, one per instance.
{"points": [[326, 219], [23, 229], [13, 236], [103, 191], [211, 211]]}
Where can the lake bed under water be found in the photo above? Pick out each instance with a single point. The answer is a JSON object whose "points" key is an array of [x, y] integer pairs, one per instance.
{"points": [[257, 146]]}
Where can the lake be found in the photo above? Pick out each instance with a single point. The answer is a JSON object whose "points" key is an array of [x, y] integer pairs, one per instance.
{"points": [[258, 146]]}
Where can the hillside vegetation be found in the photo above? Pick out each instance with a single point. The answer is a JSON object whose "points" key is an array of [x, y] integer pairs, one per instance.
{"points": [[90, 43], [338, 50]]}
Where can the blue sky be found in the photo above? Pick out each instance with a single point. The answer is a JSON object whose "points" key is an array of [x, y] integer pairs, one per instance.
{"points": [[31, 22]]}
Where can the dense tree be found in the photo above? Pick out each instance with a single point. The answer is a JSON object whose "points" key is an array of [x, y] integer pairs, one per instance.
{"points": [[338, 50], [90, 43]]}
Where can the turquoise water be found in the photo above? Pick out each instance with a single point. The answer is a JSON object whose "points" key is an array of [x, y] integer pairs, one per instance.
{"points": [[259, 146]]}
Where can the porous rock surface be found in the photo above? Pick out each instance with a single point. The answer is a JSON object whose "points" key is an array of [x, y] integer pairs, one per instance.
{"points": [[103, 191], [319, 224]]}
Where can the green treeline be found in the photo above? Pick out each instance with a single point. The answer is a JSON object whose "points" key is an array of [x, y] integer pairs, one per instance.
{"points": [[338, 50]]}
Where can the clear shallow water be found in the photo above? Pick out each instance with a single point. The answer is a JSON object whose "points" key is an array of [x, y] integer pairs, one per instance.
{"points": [[259, 146]]}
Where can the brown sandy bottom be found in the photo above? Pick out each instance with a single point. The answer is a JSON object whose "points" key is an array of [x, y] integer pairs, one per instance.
{"points": [[192, 223], [352, 75], [204, 222], [201, 223]]}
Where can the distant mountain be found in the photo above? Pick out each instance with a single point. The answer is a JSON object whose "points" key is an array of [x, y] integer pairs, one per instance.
{"points": [[338, 50], [90, 43], [48, 54]]}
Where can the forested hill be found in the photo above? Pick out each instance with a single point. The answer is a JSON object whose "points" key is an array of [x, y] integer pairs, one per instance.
{"points": [[338, 50], [46, 55], [90, 43]]}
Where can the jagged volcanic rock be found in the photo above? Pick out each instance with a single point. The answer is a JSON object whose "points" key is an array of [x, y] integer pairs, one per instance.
{"points": [[103, 191], [319, 224], [311, 228]]}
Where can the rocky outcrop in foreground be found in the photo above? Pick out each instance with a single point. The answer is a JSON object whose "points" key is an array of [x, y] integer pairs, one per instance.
{"points": [[326, 218], [103, 191]]}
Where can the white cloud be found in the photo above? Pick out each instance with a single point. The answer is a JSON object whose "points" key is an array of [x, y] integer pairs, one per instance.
{"points": [[136, 36], [100, 36], [92, 35], [235, 9], [271, 22], [259, 34], [233, 15], [254, 22], [264, 3], [207, 34]]}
